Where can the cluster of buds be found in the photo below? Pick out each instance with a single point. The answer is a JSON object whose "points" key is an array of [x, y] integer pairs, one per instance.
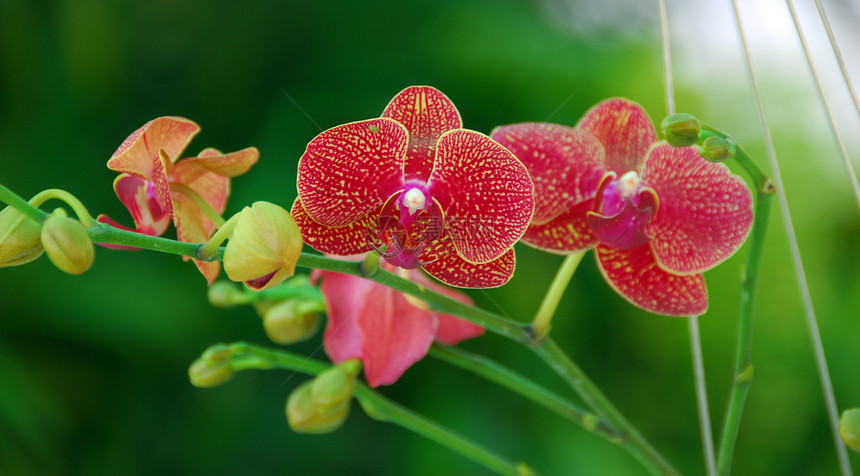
{"points": [[684, 129], [63, 239], [321, 405]]}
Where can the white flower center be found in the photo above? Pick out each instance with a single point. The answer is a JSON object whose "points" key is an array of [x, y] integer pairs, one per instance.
{"points": [[628, 184], [414, 200]]}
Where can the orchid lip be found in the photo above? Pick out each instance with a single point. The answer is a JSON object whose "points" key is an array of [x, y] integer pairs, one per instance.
{"points": [[414, 198]]}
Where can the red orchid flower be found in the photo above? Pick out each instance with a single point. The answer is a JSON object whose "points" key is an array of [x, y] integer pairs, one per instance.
{"points": [[156, 186], [659, 216], [384, 328], [418, 188]]}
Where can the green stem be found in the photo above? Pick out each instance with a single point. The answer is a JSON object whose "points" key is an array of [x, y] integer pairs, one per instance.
{"points": [[764, 184], [542, 322], [209, 250], [247, 356], [13, 200], [494, 372], [743, 358], [631, 439], [80, 210], [199, 202]]}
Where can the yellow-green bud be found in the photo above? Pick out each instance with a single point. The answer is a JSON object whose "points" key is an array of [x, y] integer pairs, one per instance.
{"points": [[20, 240], [681, 129], [849, 428], [322, 405], [67, 244], [291, 321], [717, 149], [225, 294], [212, 368], [264, 247]]}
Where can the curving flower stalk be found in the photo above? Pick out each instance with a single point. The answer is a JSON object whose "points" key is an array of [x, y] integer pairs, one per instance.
{"points": [[419, 189], [658, 216]]}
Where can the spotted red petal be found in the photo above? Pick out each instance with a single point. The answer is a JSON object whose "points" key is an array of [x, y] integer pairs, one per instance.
{"points": [[705, 211], [635, 275], [444, 264], [226, 165], [624, 130], [342, 294], [565, 164], [427, 114], [139, 198], [351, 169], [347, 240], [161, 166], [396, 334], [485, 192], [567, 233], [451, 329], [136, 154]]}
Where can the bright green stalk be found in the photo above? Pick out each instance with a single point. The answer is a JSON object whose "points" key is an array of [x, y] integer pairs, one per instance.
{"points": [[542, 321], [18, 203], [247, 356]]}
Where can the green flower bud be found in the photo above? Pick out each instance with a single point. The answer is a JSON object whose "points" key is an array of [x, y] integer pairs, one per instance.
{"points": [[849, 428], [681, 129], [717, 149], [212, 368], [67, 244], [225, 295], [322, 405], [264, 247], [291, 321], [20, 240]]}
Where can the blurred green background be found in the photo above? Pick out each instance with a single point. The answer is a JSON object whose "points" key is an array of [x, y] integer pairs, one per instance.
{"points": [[93, 368]]}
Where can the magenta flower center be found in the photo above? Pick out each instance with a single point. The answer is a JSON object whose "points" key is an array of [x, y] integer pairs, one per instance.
{"points": [[625, 207], [407, 223]]}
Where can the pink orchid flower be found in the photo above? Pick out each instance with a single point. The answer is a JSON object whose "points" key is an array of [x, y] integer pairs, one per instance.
{"points": [[384, 328], [418, 188], [157, 187], [658, 216]]}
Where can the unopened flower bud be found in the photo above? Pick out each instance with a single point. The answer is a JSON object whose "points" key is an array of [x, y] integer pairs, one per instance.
{"points": [[67, 244], [322, 405], [225, 294], [264, 247], [291, 321], [849, 428], [20, 240], [212, 368], [681, 129], [717, 149]]}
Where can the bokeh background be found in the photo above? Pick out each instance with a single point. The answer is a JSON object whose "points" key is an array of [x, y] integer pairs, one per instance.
{"points": [[93, 368]]}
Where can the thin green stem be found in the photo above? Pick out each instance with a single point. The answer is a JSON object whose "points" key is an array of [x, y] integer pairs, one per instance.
{"points": [[247, 356], [209, 250], [702, 396], [494, 372], [542, 322], [80, 210], [199, 202], [630, 438], [13, 200]]}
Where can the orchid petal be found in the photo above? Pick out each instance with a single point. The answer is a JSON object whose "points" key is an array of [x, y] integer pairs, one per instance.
{"points": [[396, 334], [226, 165], [427, 114], [342, 294], [214, 189], [564, 163], [193, 227], [485, 192], [445, 264], [136, 154], [624, 130], [635, 275], [347, 240], [351, 169], [705, 211], [139, 198], [627, 228], [161, 166], [451, 329], [567, 233]]}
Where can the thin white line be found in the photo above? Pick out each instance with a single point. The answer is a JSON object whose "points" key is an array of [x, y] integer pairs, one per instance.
{"points": [[852, 177], [820, 361], [838, 54]]}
